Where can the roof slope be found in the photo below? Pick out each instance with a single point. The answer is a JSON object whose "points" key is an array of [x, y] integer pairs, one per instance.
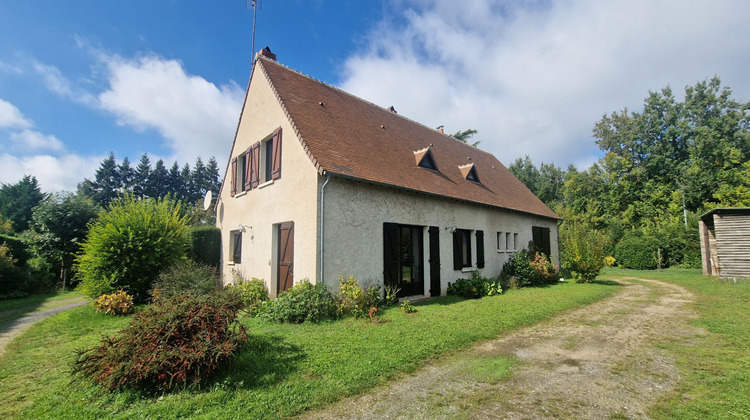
{"points": [[347, 136]]}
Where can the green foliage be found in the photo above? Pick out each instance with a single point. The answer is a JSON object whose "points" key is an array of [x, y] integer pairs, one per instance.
{"points": [[17, 200], [205, 244], [475, 287], [171, 344], [13, 280], [19, 247], [407, 308], [390, 297], [60, 223], [187, 275], [583, 250], [119, 303], [354, 300], [252, 292], [528, 268], [304, 302], [637, 251], [129, 245], [465, 136]]}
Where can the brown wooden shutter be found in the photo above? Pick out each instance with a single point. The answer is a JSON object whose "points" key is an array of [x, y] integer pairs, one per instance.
{"points": [[233, 190], [276, 171], [480, 248], [255, 165], [237, 251], [248, 160]]}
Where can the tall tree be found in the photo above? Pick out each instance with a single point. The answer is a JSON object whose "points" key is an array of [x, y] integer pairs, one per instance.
{"points": [[17, 201], [158, 180], [127, 175], [466, 135], [141, 187], [107, 183], [60, 224]]}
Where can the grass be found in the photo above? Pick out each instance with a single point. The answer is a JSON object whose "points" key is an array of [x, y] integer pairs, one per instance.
{"points": [[715, 370], [16, 308], [285, 369]]}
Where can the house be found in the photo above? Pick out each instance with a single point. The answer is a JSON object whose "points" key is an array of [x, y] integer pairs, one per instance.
{"points": [[725, 242], [320, 182]]}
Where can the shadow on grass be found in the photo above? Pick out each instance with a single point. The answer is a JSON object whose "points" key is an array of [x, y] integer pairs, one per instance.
{"points": [[264, 361], [606, 282]]}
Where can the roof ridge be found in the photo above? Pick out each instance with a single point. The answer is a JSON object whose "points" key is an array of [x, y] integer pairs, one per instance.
{"points": [[340, 90]]}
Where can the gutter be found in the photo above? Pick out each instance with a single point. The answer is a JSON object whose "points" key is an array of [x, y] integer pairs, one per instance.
{"points": [[322, 223]]}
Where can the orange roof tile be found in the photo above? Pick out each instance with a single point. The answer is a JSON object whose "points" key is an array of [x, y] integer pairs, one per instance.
{"points": [[350, 137]]}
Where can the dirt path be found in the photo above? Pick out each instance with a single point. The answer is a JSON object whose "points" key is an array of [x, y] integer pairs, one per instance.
{"points": [[12, 329], [595, 362]]}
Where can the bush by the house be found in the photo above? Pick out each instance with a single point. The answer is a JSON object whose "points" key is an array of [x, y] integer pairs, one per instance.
{"points": [[252, 292], [129, 245], [205, 245], [354, 300], [119, 303], [187, 275], [304, 302], [172, 343], [637, 251], [475, 287], [528, 268]]}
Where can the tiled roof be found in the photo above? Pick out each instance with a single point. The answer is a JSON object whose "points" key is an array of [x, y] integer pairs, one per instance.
{"points": [[350, 137]]}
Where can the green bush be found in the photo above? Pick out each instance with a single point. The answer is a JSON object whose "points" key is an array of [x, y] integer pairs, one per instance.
{"points": [[583, 250], [172, 343], [518, 271], [354, 300], [475, 287], [119, 303], [129, 245], [13, 280], [186, 275], [252, 292], [637, 251], [19, 247], [304, 302], [205, 245]]}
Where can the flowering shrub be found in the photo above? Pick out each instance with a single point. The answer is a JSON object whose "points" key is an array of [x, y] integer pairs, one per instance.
{"points": [[475, 287], [119, 303], [609, 261], [253, 293], [529, 268], [354, 300], [173, 343], [544, 271]]}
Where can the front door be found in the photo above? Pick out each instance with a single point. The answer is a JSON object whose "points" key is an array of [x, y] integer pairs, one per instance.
{"points": [[286, 256], [434, 232], [403, 252]]}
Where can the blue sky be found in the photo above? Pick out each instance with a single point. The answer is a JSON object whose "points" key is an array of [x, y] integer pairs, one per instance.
{"points": [[82, 78]]}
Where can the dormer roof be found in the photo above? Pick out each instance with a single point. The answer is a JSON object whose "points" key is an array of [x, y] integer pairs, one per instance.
{"points": [[348, 137]]}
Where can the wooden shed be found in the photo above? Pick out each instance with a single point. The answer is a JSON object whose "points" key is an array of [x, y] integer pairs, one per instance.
{"points": [[725, 243]]}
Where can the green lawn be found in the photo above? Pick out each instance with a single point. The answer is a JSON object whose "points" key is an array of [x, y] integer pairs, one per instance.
{"points": [[715, 369], [285, 370], [16, 308]]}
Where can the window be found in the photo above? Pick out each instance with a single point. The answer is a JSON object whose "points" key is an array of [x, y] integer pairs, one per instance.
{"points": [[500, 241], [469, 171], [241, 175], [461, 249], [509, 241], [269, 158], [472, 175], [480, 248], [428, 161], [403, 257], [235, 246], [540, 237], [515, 241]]}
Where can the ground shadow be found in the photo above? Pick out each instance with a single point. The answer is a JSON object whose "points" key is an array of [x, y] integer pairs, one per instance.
{"points": [[263, 361]]}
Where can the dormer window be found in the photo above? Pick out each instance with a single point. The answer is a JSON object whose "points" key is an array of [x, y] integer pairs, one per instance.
{"points": [[469, 172], [425, 159]]}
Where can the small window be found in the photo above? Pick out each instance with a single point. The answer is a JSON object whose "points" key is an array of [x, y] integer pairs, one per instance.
{"points": [[469, 171], [235, 246], [461, 249], [508, 241], [500, 241], [270, 157], [515, 241], [472, 176], [241, 174], [428, 161]]}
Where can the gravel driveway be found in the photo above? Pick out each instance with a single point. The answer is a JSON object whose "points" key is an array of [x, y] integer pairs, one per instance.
{"points": [[12, 329], [596, 362]]}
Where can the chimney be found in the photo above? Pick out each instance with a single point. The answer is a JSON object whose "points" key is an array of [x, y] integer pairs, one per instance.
{"points": [[392, 109], [440, 128], [266, 52]]}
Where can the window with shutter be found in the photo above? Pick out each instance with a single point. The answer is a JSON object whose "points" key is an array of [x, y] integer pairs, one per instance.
{"points": [[461, 249], [246, 169], [540, 237], [255, 165], [276, 159], [233, 180], [235, 246]]}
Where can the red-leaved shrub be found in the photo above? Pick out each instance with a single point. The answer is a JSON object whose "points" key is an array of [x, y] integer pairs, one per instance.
{"points": [[172, 343]]}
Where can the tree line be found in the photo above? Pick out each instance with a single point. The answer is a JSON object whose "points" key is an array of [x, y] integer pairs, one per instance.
{"points": [[664, 165]]}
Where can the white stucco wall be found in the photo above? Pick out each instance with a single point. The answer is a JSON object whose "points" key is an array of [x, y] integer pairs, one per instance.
{"points": [[293, 197], [354, 217]]}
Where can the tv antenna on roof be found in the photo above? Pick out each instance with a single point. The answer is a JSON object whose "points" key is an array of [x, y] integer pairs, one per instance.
{"points": [[254, 5]]}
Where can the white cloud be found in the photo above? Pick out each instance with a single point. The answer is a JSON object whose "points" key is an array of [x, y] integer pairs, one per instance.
{"points": [[11, 117], [59, 84], [31, 141], [534, 77], [54, 173], [195, 116]]}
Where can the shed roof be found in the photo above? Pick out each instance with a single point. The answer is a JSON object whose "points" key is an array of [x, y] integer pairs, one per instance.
{"points": [[727, 210], [349, 137]]}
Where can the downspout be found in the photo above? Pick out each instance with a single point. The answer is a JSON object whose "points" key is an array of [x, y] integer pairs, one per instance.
{"points": [[322, 222]]}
